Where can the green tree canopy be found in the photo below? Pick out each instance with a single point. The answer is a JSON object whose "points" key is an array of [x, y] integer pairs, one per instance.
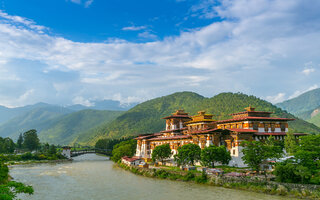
{"points": [[308, 152], [188, 154], [6, 145], [31, 140], [212, 154], [125, 148], [255, 152], [161, 152], [20, 141]]}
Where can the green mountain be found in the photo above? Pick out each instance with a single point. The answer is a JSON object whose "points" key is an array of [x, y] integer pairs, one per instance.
{"points": [[315, 120], [55, 124], [64, 130], [303, 105], [146, 117], [38, 118]]}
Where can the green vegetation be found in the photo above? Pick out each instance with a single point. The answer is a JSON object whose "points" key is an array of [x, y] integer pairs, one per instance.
{"points": [[10, 189], [290, 143], [146, 117], [212, 154], [255, 152], [109, 143], [161, 152], [66, 129], [305, 168], [188, 154], [315, 120], [57, 125], [125, 148], [31, 140], [6, 145]]}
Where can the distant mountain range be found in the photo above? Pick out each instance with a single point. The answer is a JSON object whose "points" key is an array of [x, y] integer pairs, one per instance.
{"points": [[306, 106], [57, 124], [146, 117], [78, 124]]}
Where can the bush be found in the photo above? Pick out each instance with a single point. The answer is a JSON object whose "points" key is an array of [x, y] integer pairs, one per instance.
{"points": [[202, 179], [189, 176]]}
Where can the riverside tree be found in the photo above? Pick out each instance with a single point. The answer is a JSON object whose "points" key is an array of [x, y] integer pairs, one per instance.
{"points": [[6, 145], [212, 154], [10, 189], [125, 148], [31, 140], [255, 152], [161, 152], [20, 141], [188, 154], [290, 143]]}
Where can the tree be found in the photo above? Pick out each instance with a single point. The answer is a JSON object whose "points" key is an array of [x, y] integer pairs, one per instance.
{"points": [[125, 148], [52, 150], [10, 189], [20, 141], [308, 152], [212, 154], [161, 152], [255, 152], [188, 154], [31, 140], [290, 143]]}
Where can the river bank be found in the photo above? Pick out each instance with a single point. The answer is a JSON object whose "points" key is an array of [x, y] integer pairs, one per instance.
{"points": [[241, 183]]}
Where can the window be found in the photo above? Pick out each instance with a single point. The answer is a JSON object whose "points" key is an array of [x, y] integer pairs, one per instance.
{"points": [[234, 152], [283, 127], [266, 127], [255, 126]]}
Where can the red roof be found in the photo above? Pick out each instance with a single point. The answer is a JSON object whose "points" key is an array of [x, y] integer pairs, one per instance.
{"points": [[251, 112], [178, 129], [241, 130], [146, 136], [280, 133], [177, 116], [172, 137], [134, 158], [255, 118]]}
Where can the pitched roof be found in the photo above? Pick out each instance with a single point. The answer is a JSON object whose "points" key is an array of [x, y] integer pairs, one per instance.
{"points": [[134, 158], [280, 133], [172, 137], [255, 118]]}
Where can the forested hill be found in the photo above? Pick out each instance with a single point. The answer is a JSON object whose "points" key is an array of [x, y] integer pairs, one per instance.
{"points": [[146, 117]]}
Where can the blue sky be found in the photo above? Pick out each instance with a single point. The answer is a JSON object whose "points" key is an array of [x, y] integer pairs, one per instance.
{"points": [[77, 51]]}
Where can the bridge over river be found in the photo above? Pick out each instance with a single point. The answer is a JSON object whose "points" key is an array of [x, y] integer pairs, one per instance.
{"points": [[69, 153]]}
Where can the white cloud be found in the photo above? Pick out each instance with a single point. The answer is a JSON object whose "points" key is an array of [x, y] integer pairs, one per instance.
{"points": [[258, 46], [277, 98], [133, 28], [85, 3], [299, 92], [148, 35], [88, 3], [82, 101], [308, 71]]}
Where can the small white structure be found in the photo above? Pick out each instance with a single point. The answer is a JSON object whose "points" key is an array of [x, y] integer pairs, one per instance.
{"points": [[66, 152], [134, 161]]}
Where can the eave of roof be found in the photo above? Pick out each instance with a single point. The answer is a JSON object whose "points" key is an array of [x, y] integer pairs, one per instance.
{"points": [[172, 138], [255, 118], [244, 112], [177, 116], [280, 133]]}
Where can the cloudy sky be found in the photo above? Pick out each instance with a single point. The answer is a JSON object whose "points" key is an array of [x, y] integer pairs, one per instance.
{"points": [[76, 51]]}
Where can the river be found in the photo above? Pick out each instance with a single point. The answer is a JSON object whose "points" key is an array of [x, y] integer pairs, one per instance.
{"points": [[92, 177]]}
